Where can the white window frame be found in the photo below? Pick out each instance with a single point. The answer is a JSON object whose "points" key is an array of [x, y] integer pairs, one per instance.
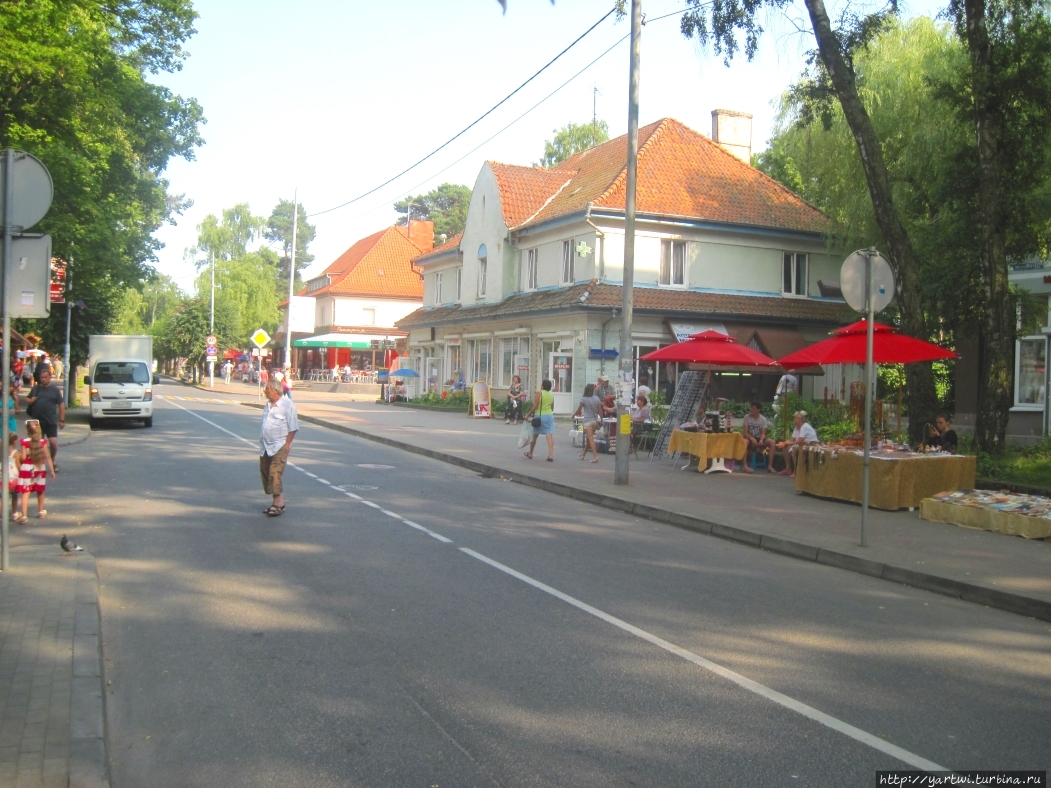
{"points": [[567, 263], [483, 264], [668, 276], [790, 260], [1033, 406], [459, 282], [365, 316], [532, 267], [437, 288]]}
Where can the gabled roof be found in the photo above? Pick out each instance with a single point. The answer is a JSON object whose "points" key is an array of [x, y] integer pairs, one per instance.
{"points": [[657, 300], [681, 173], [379, 265], [439, 251]]}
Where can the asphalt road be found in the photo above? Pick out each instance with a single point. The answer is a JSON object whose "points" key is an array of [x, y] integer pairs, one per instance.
{"points": [[445, 629]]}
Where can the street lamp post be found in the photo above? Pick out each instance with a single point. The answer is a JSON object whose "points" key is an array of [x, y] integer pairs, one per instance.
{"points": [[211, 329], [291, 277]]}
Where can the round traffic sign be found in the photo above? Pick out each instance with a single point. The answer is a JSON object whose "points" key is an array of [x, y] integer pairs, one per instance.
{"points": [[210, 340], [853, 281], [33, 188], [211, 350]]}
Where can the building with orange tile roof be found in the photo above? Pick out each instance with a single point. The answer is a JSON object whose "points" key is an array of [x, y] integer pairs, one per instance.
{"points": [[532, 286], [359, 298]]}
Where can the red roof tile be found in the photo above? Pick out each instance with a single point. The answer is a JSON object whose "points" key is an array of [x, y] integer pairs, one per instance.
{"points": [[524, 190], [379, 265], [681, 173]]}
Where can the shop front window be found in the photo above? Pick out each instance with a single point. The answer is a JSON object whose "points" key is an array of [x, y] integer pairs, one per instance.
{"points": [[1030, 377]]}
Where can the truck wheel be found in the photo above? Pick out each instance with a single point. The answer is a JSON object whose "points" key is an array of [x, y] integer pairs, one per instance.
{"points": [[147, 422], [93, 423]]}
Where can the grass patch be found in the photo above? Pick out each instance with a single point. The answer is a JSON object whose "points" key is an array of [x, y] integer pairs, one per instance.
{"points": [[1030, 465]]}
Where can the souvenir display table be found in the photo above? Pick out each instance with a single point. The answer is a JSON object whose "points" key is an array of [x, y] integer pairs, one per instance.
{"points": [[897, 479], [715, 446], [1006, 513]]}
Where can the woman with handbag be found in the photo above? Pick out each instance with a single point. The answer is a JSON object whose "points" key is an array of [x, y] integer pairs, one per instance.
{"points": [[589, 408], [543, 413]]}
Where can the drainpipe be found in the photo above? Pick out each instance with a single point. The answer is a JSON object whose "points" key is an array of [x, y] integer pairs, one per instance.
{"points": [[602, 361], [601, 243]]}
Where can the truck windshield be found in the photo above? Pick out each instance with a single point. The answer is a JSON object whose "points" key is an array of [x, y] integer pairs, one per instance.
{"points": [[121, 372]]}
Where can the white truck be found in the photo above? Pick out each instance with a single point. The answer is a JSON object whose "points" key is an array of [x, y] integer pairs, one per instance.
{"points": [[120, 378]]}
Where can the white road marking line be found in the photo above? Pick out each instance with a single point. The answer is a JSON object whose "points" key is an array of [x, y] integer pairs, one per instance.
{"points": [[762, 690], [417, 526], [427, 531], [323, 481], [209, 421], [311, 475], [392, 514], [370, 503], [439, 537], [352, 495]]}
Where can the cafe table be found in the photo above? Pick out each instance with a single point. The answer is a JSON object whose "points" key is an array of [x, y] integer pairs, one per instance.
{"points": [[714, 446], [897, 480]]}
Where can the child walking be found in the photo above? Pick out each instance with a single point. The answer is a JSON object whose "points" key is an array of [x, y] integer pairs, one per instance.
{"points": [[32, 475]]}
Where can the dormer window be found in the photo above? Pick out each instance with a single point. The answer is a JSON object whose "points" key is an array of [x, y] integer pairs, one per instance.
{"points": [[532, 266], [459, 282], [438, 288], [794, 278], [483, 264]]}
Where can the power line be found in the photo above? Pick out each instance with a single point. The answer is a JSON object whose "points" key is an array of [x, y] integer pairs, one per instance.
{"points": [[475, 123]]}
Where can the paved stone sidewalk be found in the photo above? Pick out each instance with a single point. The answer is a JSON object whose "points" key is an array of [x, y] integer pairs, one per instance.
{"points": [[51, 698]]}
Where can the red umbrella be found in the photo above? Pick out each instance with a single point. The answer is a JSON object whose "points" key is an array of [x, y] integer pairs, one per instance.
{"points": [[847, 346], [711, 347]]}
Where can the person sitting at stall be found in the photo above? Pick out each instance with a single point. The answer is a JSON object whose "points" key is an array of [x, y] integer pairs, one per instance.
{"points": [[399, 391], [642, 411], [802, 433], [644, 386], [516, 395], [609, 406], [942, 436], [755, 439]]}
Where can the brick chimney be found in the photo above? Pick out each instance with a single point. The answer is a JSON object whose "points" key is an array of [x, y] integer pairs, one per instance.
{"points": [[420, 232], [732, 131]]}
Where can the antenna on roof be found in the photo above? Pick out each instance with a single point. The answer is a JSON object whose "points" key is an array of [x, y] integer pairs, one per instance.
{"points": [[594, 115]]}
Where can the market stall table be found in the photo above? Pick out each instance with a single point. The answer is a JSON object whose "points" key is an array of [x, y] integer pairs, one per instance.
{"points": [[898, 480], [715, 446], [1006, 513]]}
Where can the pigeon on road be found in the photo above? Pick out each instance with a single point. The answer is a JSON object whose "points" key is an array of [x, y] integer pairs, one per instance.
{"points": [[70, 547]]}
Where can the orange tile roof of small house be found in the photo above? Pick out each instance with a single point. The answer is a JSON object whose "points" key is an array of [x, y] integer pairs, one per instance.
{"points": [[681, 173], [379, 265]]}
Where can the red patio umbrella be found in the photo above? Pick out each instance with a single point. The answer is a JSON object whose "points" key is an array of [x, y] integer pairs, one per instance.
{"points": [[711, 347], [847, 346]]}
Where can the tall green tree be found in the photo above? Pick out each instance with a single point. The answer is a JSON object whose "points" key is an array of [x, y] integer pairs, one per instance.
{"points": [[227, 237], [75, 91], [573, 138], [446, 206], [1009, 52], [141, 308], [279, 230]]}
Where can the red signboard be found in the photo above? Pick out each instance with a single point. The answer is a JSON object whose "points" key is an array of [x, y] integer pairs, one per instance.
{"points": [[58, 293]]}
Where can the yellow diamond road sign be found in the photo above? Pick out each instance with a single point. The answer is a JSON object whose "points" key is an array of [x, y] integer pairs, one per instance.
{"points": [[260, 337]]}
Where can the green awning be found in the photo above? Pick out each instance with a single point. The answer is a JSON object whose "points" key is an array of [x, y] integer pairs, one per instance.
{"points": [[353, 341]]}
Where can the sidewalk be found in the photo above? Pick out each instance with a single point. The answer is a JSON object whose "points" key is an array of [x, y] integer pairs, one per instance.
{"points": [[52, 733], [759, 510]]}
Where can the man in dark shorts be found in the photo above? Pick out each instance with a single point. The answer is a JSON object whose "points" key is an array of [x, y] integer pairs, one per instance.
{"points": [[49, 408]]}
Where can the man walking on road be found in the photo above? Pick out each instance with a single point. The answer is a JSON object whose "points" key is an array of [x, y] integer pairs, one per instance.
{"points": [[49, 408], [279, 429]]}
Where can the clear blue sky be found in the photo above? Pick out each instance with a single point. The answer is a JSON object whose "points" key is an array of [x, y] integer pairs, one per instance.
{"points": [[336, 96]]}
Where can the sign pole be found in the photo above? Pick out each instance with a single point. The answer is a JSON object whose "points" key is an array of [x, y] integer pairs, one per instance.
{"points": [[70, 376], [5, 367], [291, 277], [211, 329], [869, 336]]}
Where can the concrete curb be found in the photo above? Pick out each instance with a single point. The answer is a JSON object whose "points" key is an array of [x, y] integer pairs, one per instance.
{"points": [[968, 592], [88, 762]]}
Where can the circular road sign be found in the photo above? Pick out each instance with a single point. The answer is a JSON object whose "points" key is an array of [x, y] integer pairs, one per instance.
{"points": [[852, 280], [211, 350], [210, 340], [33, 189]]}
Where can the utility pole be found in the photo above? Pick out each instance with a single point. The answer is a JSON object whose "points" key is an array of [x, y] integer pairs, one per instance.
{"points": [[291, 278], [71, 379], [211, 328], [5, 366], [594, 115], [625, 378]]}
